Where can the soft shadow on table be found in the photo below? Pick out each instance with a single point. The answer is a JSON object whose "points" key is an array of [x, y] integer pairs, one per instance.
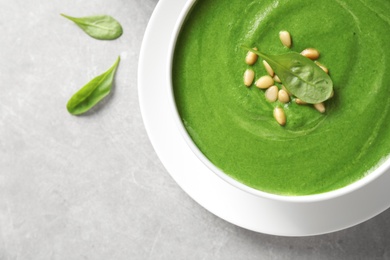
{"points": [[369, 240]]}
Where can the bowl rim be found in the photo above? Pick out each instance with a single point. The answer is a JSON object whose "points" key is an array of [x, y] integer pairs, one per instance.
{"points": [[382, 166]]}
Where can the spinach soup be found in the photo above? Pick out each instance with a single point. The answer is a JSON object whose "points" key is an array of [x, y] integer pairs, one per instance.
{"points": [[233, 125]]}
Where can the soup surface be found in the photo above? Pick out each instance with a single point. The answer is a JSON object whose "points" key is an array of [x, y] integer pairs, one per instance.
{"points": [[233, 125]]}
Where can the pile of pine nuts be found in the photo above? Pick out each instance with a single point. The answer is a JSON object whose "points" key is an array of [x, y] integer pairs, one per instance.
{"points": [[272, 92]]}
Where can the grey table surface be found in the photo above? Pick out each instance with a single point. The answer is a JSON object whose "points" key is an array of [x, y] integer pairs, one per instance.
{"points": [[92, 187]]}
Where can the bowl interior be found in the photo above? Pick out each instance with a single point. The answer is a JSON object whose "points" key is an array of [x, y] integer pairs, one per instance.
{"points": [[382, 167]]}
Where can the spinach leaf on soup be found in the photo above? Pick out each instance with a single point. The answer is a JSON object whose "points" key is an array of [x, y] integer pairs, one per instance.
{"points": [[102, 27], [300, 75], [93, 92]]}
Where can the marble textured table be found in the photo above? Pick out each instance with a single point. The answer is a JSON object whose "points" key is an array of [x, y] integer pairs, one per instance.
{"points": [[91, 187]]}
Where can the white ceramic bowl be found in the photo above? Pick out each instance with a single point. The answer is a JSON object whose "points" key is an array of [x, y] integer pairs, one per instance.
{"points": [[214, 190]]}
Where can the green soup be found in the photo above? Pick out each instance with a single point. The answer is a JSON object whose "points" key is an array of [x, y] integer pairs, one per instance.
{"points": [[233, 125]]}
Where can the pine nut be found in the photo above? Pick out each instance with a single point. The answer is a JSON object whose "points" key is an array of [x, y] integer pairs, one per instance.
{"points": [[251, 57], [277, 79], [271, 94], [300, 102], [311, 53], [264, 82], [283, 96], [288, 92], [280, 116], [268, 68], [320, 107], [322, 67], [285, 38], [249, 76]]}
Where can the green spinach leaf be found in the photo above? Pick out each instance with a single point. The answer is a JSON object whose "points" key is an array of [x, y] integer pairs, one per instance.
{"points": [[93, 92], [102, 27], [300, 75]]}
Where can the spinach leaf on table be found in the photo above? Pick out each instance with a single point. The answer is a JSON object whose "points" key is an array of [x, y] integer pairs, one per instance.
{"points": [[102, 27], [93, 92]]}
